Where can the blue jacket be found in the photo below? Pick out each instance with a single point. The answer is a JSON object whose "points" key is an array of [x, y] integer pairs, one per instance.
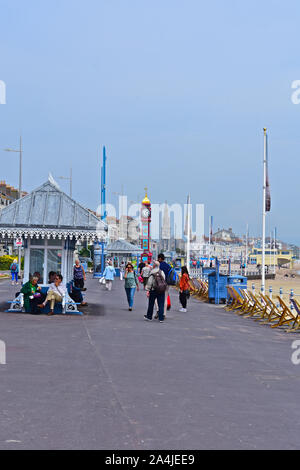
{"points": [[17, 268], [109, 273], [165, 267]]}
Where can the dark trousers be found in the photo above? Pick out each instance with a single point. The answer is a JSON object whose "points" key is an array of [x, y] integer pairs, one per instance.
{"points": [[79, 283], [161, 304], [183, 299], [34, 305]]}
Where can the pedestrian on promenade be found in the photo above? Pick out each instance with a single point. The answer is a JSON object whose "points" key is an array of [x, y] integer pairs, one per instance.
{"points": [[14, 271], [131, 284], [55, 293], [109, 275], [140, 267], [32, 295], [79, 275], [166, 268], [184, 287], [156, 290], [145, 274], [122, 270]]}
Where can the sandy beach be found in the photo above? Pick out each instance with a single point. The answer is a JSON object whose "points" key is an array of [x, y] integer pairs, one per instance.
{"points": [[283, 280]]}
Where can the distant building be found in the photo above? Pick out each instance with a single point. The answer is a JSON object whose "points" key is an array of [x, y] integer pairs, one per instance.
{"points": [[224, 235]]}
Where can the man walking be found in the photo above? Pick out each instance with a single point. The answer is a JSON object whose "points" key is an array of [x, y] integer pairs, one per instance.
{"points": [[156, 288], [166, 268]]}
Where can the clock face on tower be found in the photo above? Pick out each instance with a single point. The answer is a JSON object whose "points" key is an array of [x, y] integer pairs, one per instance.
{"points": [[145, 213]]}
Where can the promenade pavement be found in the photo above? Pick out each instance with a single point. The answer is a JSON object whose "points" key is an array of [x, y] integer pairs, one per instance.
{"points": [[205, 379]]}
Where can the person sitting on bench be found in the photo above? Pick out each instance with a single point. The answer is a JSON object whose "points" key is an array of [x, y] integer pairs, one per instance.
{"points": [[32, 295], [55, 293]]}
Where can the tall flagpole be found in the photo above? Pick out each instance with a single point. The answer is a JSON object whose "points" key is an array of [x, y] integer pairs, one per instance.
{"points": [[188, 248], [263, 274], [246, 253]]}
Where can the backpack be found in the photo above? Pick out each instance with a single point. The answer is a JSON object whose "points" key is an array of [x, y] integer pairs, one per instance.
{"points": [[172, 278], [160, 284], [13, 267]]}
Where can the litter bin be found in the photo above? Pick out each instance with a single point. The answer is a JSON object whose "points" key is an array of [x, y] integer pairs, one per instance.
{"points": [[238, 282], [206, 272], [217, 289]]}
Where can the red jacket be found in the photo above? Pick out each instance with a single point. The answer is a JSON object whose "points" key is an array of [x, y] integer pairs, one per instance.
{"points": [[184, 282]]}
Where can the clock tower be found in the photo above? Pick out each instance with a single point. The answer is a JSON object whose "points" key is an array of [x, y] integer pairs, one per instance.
{"points": [[145, 232]]}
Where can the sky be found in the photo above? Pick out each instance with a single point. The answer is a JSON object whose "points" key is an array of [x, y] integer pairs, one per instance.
{"points": [[177, 91]]}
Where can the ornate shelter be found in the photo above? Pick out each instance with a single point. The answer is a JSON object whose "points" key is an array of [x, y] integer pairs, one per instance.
{"points": [[49, 223], [122, 250]]}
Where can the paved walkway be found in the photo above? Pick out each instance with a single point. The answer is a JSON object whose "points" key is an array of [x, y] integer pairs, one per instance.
{"points": [[207, 379]]}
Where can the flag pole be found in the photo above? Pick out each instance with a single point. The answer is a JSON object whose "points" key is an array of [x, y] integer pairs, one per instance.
{"points": [[263, 274], [188, 253]]}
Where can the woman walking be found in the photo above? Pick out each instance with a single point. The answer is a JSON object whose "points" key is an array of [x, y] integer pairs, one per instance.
{"points": [[184, 287], [79, 275], [14, 271], [109, 275], [131, 284], [145, 274]]}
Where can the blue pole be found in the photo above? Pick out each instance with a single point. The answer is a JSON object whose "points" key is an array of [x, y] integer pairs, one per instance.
{"points": [[102, 258], [103, 189], [217, 297]]}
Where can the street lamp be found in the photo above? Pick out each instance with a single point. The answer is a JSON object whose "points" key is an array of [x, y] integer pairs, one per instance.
{"points": [[20, 151], [67, 178]]}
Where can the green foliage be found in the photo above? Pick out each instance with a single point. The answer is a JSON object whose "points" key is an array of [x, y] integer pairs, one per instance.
{"points": [[85, 253], [5, 262]]}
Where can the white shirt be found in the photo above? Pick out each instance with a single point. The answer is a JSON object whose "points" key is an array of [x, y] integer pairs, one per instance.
{"points": [[60, 290]]}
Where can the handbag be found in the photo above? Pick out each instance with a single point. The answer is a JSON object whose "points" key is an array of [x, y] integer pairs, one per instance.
{"points": [[102, 280]]}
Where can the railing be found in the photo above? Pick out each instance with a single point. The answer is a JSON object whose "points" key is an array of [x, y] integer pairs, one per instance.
{"points": [[197, 272]]}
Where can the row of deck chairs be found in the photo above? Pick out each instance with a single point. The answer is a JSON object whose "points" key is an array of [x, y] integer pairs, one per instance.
{"points": [[199, 288], [263, 309]]}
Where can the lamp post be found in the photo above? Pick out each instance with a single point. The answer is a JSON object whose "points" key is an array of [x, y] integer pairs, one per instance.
{"points": [[20, 152], [70, 178]]}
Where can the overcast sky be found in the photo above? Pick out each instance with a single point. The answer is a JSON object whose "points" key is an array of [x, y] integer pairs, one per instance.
{"points": [[177, 91]]}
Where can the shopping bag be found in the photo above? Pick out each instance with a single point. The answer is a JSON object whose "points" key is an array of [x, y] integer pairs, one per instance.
{"points": [[169, 303]]}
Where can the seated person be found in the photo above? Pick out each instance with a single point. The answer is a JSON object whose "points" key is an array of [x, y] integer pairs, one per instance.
{"points": [[76, 295], [32, 295], [55, 293], [52, 275]]}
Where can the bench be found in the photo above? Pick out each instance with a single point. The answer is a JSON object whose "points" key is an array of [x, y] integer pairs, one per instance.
{"points": [[66, 307]]}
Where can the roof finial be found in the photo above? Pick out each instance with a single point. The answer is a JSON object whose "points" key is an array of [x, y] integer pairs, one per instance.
{"points": [[146, 199]]}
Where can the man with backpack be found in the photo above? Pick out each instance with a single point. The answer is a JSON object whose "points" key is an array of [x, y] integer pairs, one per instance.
{"points": [[156, 290]]}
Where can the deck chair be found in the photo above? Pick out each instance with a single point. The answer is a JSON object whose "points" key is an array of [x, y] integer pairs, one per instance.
{"points": [[257, 306], [248, 302], [296, 325], [235, 300], [242, 300], [287, 316], [272, 312]]}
